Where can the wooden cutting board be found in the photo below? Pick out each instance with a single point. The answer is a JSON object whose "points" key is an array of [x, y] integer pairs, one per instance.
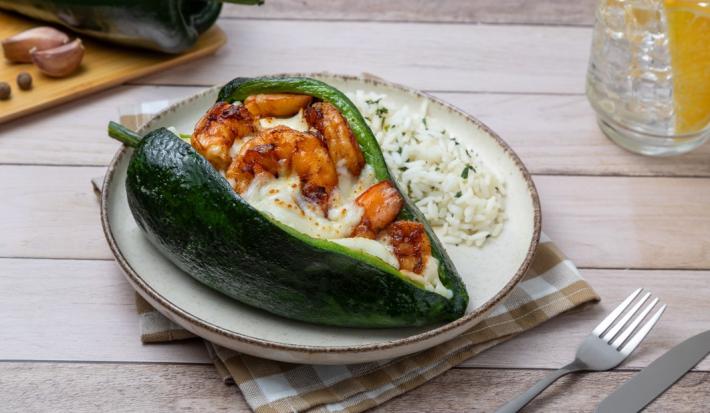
{"points": [[104, 65]]}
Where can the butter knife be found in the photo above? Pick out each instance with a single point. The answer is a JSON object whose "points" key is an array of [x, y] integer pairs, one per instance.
{"points": [[655, 379]]}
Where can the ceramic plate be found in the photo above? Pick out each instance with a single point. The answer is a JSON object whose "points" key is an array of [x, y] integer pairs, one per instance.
{"points": [[490, 272]]}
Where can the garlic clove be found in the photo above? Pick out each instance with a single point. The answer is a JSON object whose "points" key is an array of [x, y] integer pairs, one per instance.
{"points": [[17, 48], [60, 61]]}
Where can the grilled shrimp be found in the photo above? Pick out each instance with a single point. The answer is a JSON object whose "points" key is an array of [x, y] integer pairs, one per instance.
{"points": [[277, 150], [217, 130], [382, 203], [340, 140], [316, 170], [276, 104], [411, 244]]}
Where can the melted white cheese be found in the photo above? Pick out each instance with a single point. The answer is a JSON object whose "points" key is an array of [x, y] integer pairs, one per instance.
{"points": [[296, 122], [370, 246], [282, 199], [429, 278]]}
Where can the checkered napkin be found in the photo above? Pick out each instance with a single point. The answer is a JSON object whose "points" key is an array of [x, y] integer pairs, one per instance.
{"points": [[552, 286]]}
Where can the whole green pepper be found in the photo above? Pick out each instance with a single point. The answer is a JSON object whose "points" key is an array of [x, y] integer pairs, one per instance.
{"points": [[170, 26]]}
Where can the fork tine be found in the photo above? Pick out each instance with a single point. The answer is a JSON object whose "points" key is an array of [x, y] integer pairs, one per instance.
{"points": [[642, 333], [599, 329], [630, 329], [625, 319]]}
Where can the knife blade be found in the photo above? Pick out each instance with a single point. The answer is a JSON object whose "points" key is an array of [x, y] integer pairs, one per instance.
{"points": [[655, 379]]}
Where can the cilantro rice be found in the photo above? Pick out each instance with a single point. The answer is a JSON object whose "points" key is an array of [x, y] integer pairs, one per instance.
{"points": [[461, 198]]}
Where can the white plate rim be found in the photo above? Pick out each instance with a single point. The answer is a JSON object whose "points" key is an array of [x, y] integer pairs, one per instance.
{"points": [[473, 317]]}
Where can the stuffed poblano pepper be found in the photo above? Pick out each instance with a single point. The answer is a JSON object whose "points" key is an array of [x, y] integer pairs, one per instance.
{"points": [[170, 26], [282, 200]]}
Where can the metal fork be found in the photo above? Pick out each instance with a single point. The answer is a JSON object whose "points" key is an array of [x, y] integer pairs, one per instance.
{"points": [[608, 345]]}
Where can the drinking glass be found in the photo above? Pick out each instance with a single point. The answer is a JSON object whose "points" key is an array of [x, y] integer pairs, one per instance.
{"points": [[649, 74]]}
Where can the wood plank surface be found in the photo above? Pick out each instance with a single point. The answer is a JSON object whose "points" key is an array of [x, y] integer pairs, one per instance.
{"points": [[615, 222], [79, 388], [470, 11], [76, 310], [461, 390], [515, 59], [83, 310], [688, 313], [76, 134], [89, 388], [626, 222], [50, 212], [553, 134]]}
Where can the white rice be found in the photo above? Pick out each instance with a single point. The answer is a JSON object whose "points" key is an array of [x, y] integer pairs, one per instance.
{"points": [[460, 197]]}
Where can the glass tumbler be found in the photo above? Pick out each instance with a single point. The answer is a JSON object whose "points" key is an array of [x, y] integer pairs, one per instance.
{"points": [[649, 74]]}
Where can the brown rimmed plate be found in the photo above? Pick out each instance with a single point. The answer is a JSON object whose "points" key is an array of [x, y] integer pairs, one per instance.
{"points": [[490, 272]]}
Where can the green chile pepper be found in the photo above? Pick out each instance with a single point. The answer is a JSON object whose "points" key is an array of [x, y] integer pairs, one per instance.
{"points": [[195, 218], [170, 26]]}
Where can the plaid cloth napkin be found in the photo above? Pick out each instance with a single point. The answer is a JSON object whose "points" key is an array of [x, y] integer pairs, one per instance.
{"points": [[552, 286]]}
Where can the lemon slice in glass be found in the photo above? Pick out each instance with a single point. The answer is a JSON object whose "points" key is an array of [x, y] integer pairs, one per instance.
{"points": [[689, 44]]}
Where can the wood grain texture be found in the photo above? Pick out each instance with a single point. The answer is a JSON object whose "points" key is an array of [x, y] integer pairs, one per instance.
{"points": [[80, 388], [628, 222], [50, 212], [88, 388], [102, 67], [76, 310], [470, 11], [83, 310], [688, 313], [461, 390], [607, 222], [559, 135], [456, 57], [76, 134], [552, 134]]}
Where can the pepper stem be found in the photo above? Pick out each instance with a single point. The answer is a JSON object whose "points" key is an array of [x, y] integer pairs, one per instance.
{"points": [[123, 134]]}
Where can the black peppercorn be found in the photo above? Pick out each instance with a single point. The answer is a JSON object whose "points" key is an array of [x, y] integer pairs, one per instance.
{"points": [[4, 91], [24, 80]]}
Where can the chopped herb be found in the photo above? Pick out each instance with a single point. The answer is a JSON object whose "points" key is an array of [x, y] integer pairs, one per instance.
{"points": [[443, 132], [425, 124], [458, 194], [464, 173], [372, 101], [403, 133], [381, 111], [399, 150], [402, 168]]}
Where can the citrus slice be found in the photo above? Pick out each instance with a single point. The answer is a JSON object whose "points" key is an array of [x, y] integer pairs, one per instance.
{"points": [[689, 44]]}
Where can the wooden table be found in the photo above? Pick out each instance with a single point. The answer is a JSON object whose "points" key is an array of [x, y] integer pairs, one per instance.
{"points": [[68, 330]]}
